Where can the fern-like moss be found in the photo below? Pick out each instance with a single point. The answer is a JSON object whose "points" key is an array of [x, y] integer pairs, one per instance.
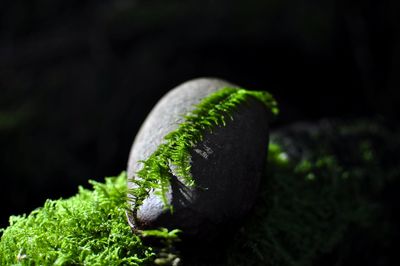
{"points": [[87, 229], [212, 111]]}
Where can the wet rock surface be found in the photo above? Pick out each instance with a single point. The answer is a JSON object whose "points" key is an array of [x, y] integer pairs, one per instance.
{"points": [[226, 165]]}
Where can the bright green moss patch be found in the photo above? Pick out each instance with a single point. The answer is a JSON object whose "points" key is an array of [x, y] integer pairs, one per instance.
{"points": [[87, 229], [210, 112]]}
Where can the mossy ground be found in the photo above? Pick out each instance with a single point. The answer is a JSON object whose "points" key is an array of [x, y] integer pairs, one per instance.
{"points": [[89, 228], [324, 201]]}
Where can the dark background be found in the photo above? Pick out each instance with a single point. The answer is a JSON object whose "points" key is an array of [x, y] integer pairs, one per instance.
{"points": [[77, 77]]}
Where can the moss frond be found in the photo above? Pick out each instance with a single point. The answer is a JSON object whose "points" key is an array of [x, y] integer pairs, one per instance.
{"points": [[212, 111]]}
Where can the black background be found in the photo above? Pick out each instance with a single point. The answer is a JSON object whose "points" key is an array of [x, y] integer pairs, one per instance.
{"points": [[77, 78]]}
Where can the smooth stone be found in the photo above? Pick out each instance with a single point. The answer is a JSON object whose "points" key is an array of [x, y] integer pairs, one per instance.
{"points": [[226, 166]]}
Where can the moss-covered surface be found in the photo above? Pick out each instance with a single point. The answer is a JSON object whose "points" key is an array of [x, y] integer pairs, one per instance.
{"points": [[212, 111], [87, 229], [328, 198]]}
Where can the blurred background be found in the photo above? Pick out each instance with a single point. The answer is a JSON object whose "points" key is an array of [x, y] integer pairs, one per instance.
{"points": [[77, 78]]}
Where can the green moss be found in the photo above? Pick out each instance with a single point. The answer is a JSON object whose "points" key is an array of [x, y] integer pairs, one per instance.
{"points": [[210, 112], [87, 229]]}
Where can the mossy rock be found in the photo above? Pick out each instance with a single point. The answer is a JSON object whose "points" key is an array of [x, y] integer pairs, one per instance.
{"points": [[212, 184]]}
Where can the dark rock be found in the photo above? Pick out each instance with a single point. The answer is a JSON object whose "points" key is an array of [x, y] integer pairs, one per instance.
{"points": [[226, 166]]}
